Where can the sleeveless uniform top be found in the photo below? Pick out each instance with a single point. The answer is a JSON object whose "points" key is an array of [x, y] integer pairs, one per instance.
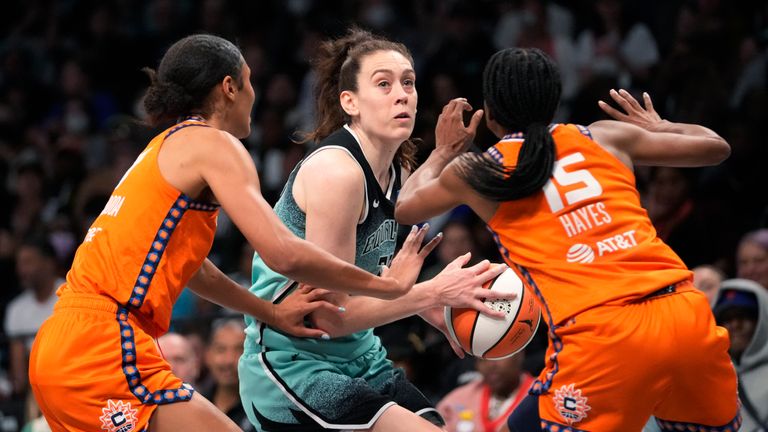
{"points": [[146, 244], [376, 237], [584, 239]]}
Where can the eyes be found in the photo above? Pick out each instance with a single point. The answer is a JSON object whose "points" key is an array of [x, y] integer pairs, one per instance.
{"points": [[407, 83]]}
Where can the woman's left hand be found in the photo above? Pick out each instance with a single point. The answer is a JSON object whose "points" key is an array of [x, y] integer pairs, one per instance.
{"points": [[289, 315], [406, 265]]}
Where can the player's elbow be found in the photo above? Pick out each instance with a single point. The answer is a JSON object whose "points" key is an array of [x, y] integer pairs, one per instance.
{"points": [[284, 259], [721, 150], [404, 214]]}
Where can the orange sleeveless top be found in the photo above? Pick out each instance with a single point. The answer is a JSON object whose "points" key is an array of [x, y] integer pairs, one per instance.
{"points": [[146, 244], [584, 239]]}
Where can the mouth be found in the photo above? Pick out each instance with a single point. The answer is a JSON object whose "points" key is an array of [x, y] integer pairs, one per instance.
{"points": [[403, 116]]}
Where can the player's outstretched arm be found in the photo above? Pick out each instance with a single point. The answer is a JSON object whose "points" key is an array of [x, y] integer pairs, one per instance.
{"points": [[213, 285], [226, 167], [647, 139], [424, 195], [455, 286]]}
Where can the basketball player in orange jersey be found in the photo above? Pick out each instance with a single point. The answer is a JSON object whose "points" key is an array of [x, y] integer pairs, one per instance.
{"points": [[95, 364], [629, 335]]}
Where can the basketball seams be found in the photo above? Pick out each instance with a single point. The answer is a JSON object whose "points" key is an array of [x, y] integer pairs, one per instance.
{"points": [[509, 327], [489, 338]]}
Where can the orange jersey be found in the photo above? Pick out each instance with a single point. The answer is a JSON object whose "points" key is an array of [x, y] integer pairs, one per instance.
{"points": [[584, 239], [146, 244]]}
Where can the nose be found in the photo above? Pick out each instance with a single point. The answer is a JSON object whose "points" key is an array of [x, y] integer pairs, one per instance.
{"points": [[402, 95]]}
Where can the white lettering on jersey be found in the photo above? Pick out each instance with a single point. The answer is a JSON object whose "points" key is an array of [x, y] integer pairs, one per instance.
{"points": [[585, 218], [615, 243], [113, 205], [91, 234]]}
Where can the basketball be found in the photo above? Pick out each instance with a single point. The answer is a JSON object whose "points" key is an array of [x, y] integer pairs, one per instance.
{"points": [[495, 338]]}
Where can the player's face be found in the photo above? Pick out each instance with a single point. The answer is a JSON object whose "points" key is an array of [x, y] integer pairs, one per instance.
{"points": [[243, 105], [386, 97]]}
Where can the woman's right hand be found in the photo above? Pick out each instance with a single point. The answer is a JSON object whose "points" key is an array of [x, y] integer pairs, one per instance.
{"points": [[451, 136], [462, 287]]}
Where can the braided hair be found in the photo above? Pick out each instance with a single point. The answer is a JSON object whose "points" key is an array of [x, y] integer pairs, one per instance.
{"points": [[338, 64], [521, 87]]}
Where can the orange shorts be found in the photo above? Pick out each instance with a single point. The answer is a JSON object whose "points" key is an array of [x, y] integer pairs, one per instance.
{"points": [[610, 368], [93, 368]]}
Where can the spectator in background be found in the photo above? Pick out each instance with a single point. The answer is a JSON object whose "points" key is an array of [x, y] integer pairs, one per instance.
{"points": [[742, 308], [222, 354], [28, 202], [36, 270], [180, 354], [457, 241], [487, 402], [679, 220], [707, 279], [536, 30], [615, 46], [752, 257]]}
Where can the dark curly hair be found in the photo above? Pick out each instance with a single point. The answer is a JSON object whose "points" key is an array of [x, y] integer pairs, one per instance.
{"points": [[188, 71]]}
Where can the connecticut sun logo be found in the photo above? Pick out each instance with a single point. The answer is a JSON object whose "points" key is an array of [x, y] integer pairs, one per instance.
{"points": [[118, 417], [571, 405]]}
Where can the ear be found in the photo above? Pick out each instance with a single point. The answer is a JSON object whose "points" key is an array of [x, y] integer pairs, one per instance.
{"points": [[348, 102], [491, 123], [229, 88]]}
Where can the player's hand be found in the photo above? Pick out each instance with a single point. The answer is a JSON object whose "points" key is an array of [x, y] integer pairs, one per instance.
{"points": [[289, 315], [462, 287], [406, 265], [436, 318], [452, 137], [646, 118]]}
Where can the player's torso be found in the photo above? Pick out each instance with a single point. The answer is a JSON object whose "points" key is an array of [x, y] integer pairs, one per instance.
{"points": [[147, 242], [585, 238], [376, 237]]}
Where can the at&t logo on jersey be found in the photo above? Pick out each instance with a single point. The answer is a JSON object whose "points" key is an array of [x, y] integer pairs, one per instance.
{"points": [[571, 405], [118, 417], [582, 253]]}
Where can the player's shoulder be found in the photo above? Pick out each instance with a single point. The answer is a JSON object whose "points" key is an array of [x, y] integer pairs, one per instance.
{"points": [[332, 165], [207, 142]]}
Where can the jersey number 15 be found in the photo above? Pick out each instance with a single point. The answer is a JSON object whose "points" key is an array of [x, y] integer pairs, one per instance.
{"points": [[590, 189]]}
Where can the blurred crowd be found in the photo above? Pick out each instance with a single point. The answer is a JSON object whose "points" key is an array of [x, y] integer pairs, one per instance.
{"points": [[71, 90]]}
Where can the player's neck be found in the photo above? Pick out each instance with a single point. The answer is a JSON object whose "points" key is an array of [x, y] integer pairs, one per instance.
{"points": [[378, 155]]}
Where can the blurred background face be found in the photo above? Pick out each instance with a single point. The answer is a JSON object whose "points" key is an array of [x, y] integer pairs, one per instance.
{"points": [[667, 191], [502, 376], [178, 352], [386, 96], [223, 353], [32, 267], [457, 240], [752, 263], [707, 280], [740, 324]]}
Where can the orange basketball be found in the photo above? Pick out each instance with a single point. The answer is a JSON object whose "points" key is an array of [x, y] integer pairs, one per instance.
{"points": [[497, 338]]}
